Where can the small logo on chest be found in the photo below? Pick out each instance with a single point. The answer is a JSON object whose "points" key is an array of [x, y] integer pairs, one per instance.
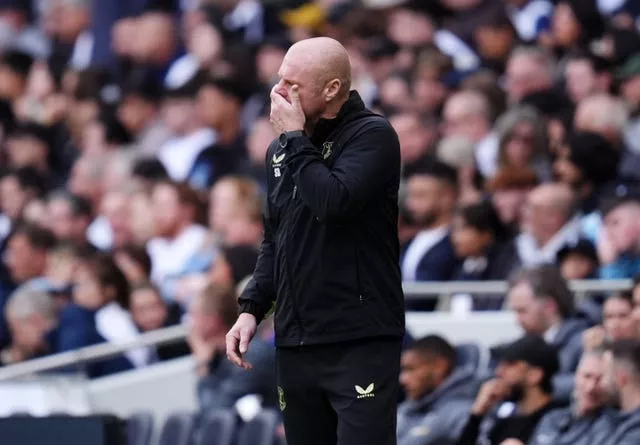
{"points": [[327, 149], [277, 164]]}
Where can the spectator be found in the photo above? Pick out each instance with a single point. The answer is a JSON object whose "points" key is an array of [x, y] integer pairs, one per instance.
{"points": [[629, 80], [439, 394], [621, 370], [14, 69], [543, 305], [618, 322], [38, 330], [29, 145], [586, 422], [531, 18], [578, 261], [102, 289], [468, 114], [221, 384], [431, 197], [549, 222], [190, 136], [417, 134], [104, 135], [220, 102], [509, 189], [260, 136], [233, 264], [69, 217], [178, 235], [523, 381], [134, 262], [586, 74], [478, 240], [458, 152], [618, 247], [151, 312], [17, 188], [530, 70]]}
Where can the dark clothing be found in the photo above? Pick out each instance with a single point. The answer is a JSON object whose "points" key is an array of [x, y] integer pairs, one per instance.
{"points": [[438, 418], [507, 424], [77, 329], [173, 350], [340, 394], [215, 162], [226, 383], [561, 427], [330, 250], [6, 289]]}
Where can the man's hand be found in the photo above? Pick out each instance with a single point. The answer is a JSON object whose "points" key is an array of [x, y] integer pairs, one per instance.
{"points": [[491, 393], [238, 339], [593, 338], [286, 116]]}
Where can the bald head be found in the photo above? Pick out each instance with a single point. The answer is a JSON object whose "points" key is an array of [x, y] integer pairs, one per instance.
{"points": [[558, 195], [321, 69], [549, 207], [603, 114], [467, 113]]}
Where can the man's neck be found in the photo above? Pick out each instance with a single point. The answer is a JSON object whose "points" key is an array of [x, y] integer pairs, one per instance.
{"points": [[534, 400], [629, 400]]}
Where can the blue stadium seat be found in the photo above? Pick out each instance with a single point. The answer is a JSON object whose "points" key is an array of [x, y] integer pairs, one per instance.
{"points": [[140, 429], [177, 430], [468, 355], [261, 430], [218, 428]]}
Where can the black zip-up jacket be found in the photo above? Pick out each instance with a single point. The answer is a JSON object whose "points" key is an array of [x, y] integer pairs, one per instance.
{"points": [[330, 255]]}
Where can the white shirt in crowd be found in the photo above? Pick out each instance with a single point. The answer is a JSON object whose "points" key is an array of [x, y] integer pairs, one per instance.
{"points": [[419, 247], [531, 254], [178, 154], [169, 256]]}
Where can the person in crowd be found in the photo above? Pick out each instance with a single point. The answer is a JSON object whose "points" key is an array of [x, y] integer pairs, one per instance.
{"points": [[439, 393], [530, 18], [220, 383], [69, 217], [618, 242], [102, 289], [543, 305], [530, 70], [618, 322], [478, 238], [621, 372], [522, 139], [586, 74], [258, 139], [549, 222], [17, 188], [134, 261], [417, 134], [178, 235], [578, 261], [511, 405], [468, 113], [233, 264], [509, 190], [14, 69], [430, 200], [39, 329], [585, 422], [628, 77], [150, 312]]}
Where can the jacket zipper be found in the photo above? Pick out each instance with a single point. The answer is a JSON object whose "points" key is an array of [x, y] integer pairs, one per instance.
{"points": [[290, 275]]}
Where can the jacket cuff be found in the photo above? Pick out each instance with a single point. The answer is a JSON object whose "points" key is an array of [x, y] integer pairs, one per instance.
{"points": [[253, 308]]}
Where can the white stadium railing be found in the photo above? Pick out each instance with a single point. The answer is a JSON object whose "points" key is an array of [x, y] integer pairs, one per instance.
{"points": [[413, 291]]}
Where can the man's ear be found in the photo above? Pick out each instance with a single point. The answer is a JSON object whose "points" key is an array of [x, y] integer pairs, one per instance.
{"points": [[332, 89]]}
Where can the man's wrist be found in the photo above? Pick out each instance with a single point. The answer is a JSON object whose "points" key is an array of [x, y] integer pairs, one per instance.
{"points": [[252, 308]]}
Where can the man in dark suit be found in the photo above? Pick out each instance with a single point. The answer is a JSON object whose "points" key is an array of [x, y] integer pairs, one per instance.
{"points": [[431, 197]]}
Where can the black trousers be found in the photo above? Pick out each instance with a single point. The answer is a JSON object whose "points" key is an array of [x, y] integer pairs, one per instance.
{"points": [[340, 394]]}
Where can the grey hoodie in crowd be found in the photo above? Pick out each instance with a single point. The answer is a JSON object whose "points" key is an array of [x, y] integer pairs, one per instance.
{"points": [[627, 431], [438, 418], [562, 427]]}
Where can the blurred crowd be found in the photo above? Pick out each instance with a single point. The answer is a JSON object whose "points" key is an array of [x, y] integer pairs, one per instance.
{"points": [[133, 136]]}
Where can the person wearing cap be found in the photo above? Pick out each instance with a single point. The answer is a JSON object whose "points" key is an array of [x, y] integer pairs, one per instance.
{"points": [[510, 405], [578, 260], [586, 421], [619, 240], [329, 264], [622, 383]]}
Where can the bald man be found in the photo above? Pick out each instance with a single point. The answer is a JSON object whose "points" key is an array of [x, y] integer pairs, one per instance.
{"points": [[329, 261], [549, 223]]}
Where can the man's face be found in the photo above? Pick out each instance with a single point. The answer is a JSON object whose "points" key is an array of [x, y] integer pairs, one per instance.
{"points": [[609, 379], [166, 208], [617, 320], [581, 79], [509, 204], [514, 374], [418, 374], [541, 217], [577, 267], [623, 226], [23, 260], [178, 114], [28, 333], [60, 219], [13, 198], [589, 391], [117, 210], [148, 310], [413, 136], [294, 71], [204, 325], [425, 199], [27, 151], [529, 310], [135, 113], [524, 76]]}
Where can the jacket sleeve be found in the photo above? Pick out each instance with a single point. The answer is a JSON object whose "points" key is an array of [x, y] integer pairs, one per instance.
{"points": [[471, 431], [362, 170], [260, 294]]}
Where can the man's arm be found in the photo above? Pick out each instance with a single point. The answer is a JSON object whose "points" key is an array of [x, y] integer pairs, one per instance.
{"points": [[362, 170]]}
